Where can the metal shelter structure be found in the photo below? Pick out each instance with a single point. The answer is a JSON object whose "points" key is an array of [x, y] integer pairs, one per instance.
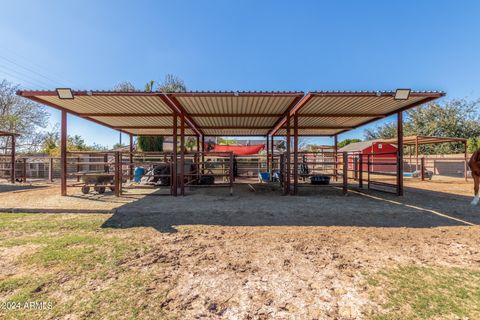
{"points": [[11, 156], [200, 114], [416, 140]]}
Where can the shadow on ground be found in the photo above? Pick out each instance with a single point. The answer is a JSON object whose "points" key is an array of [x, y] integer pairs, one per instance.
{"points": [[19, 187], [313, 207]]}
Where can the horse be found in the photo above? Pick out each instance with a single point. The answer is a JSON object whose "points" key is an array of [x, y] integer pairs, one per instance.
{"points": [[474, 165]]}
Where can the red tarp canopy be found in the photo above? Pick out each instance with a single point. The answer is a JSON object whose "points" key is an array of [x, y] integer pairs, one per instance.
{"points": [[238, 150]]}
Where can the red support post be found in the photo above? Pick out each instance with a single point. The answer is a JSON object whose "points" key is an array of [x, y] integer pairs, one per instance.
{"points": [[287, 171], [345, 173], [117, 176], [203, 151], [63, 154], [360, 172], [422, 168], [268, 154], [182, 154], [295, 154], [271, 153], [232, 177], [175, 156], [335, 156], [400, 153], [130, 159]]}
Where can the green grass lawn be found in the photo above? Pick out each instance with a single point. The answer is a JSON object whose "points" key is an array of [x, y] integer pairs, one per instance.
{"points": [[77, 266], [81, 269]]}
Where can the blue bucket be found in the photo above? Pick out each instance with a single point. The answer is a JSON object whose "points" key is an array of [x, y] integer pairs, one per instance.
{"points": [[264, 176], [138, 172]]}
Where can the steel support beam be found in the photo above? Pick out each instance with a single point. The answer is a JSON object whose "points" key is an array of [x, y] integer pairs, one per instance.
{"points": [[400, 154], [63, 154], [182, 154], [287, 171], [335, 155], [130, 159], [295, 154], [174, 156], [268, 153]]}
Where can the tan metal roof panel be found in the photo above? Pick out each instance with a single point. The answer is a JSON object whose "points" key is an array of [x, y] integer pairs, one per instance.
{"points": [[110, 104], [235, 132]]}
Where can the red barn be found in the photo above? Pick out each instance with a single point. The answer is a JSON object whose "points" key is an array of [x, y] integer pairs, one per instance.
{"points": [[380, 151]]}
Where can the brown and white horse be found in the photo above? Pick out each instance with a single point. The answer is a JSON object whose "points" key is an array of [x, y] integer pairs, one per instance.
{"points": [[474, 165]]}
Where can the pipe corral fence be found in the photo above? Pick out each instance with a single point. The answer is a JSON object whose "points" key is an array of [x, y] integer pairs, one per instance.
{"points": [[114, 170]]}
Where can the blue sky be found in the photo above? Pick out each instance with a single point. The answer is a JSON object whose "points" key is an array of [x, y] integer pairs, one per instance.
{"points": [[241, 45]]}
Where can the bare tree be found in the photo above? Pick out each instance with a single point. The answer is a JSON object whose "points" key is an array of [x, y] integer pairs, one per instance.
{"points": [[172, 83], [22, 116], [124, 86]]}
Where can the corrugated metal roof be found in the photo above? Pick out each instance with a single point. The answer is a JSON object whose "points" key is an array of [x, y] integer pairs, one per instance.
{"points": [[356, 146], [231, 113], [412, 140]]}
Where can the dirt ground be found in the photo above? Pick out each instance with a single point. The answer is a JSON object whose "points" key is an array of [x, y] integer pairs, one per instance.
{"points": [[263, 255]]}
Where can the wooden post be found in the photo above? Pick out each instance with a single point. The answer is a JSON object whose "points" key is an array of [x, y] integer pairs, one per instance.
{"points": [[335, 156], [360, 172], [399, 154], [174, 156], [50, 170], [345, 173], [422, 167], [295, 154], [287, 171], [130, 159], [117, 174], [24, 170], [63, 154], [12, 165], [182, 154]]}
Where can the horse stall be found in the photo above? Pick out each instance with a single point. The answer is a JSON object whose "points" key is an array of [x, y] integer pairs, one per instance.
{"points": [[286, 114]]}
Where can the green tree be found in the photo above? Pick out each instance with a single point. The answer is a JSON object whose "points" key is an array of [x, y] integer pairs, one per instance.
{"points": [[345, 142], [150, 143], [452, 118]]}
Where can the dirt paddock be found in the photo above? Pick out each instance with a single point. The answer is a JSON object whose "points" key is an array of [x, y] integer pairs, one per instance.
{"points": [[259, 255]]}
